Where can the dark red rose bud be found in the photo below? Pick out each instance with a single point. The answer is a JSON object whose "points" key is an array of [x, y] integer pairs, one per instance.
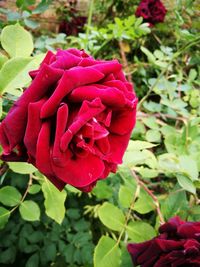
{"points": [[152, 11], [74, 26], [178, 244], [74, 121]]}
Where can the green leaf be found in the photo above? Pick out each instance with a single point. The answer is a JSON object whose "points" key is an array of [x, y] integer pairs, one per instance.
{"points": [[125, 257], [29, 210], [140, 231], [175, 203], [111, 216], [125, 196], [144, 204], [107, 253], [186, 183], [33, 261], [31, 23], [4, 216], [8, 255], [72, 189], [192, 75], [50, 252], [54, 201], [34, 189], [133, 158], [16, 41], [3, 59], [22, 167], [24, 4], [151, 123], [189, 165], [10, 196], [146, 172], [14, 74], [139, 145], [168, 162], [149, 55], [153, 136], [102, 190], [194, 214], [42, 6]]}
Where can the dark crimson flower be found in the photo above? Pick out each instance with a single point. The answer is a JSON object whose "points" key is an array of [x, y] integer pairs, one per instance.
{"points": [[74, 121], [73, 26], [152, 11], [178, 244], [71, 21]]}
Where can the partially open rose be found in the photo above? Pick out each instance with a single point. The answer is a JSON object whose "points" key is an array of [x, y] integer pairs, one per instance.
{"points": [[178, 245], [152, 11], [74, 26], [74, 121]]}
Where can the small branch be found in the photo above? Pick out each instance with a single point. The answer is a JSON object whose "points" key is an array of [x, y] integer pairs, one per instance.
{"points": [[149, 192], [157, 38], [128, 215], [154, 84], [161, 115], [178, 53], [124, 61], [30, 181], [89, 19], [3, 169], [101, 47]]}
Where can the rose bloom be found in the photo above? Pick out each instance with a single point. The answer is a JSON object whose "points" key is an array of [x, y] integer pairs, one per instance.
{"points": [[178, 244], [74, 121], [152, 11], [73, 26]]}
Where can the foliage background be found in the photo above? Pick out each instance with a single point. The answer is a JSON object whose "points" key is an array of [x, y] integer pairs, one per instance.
{"points": [[160, 175]]}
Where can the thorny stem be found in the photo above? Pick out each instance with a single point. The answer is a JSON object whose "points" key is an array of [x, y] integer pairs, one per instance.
{"points": [[89, 20], [124, 60], [149, 192]]}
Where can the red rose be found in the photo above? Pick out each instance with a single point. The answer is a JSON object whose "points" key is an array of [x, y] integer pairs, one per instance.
{"points": [[152, 11], [177, 245], [74, 121], [74, 26]]}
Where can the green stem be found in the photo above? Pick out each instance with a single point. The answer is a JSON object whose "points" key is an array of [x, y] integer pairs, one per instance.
{"points": [[178, 53], [89, 20], [128, 215], [24, 195], [102, 46]]}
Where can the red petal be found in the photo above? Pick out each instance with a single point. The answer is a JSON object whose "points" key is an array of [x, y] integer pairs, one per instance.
{"points": [[87, 111], [71, 79], [43, 162], [122, 121], [59, 158], [118, 145], [32, 132], [80, 172], [109, 96]]}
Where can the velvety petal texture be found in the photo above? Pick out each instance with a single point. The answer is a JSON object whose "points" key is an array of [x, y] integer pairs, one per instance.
{"points": [[74, 121], [178, 244], [152, 11]]}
